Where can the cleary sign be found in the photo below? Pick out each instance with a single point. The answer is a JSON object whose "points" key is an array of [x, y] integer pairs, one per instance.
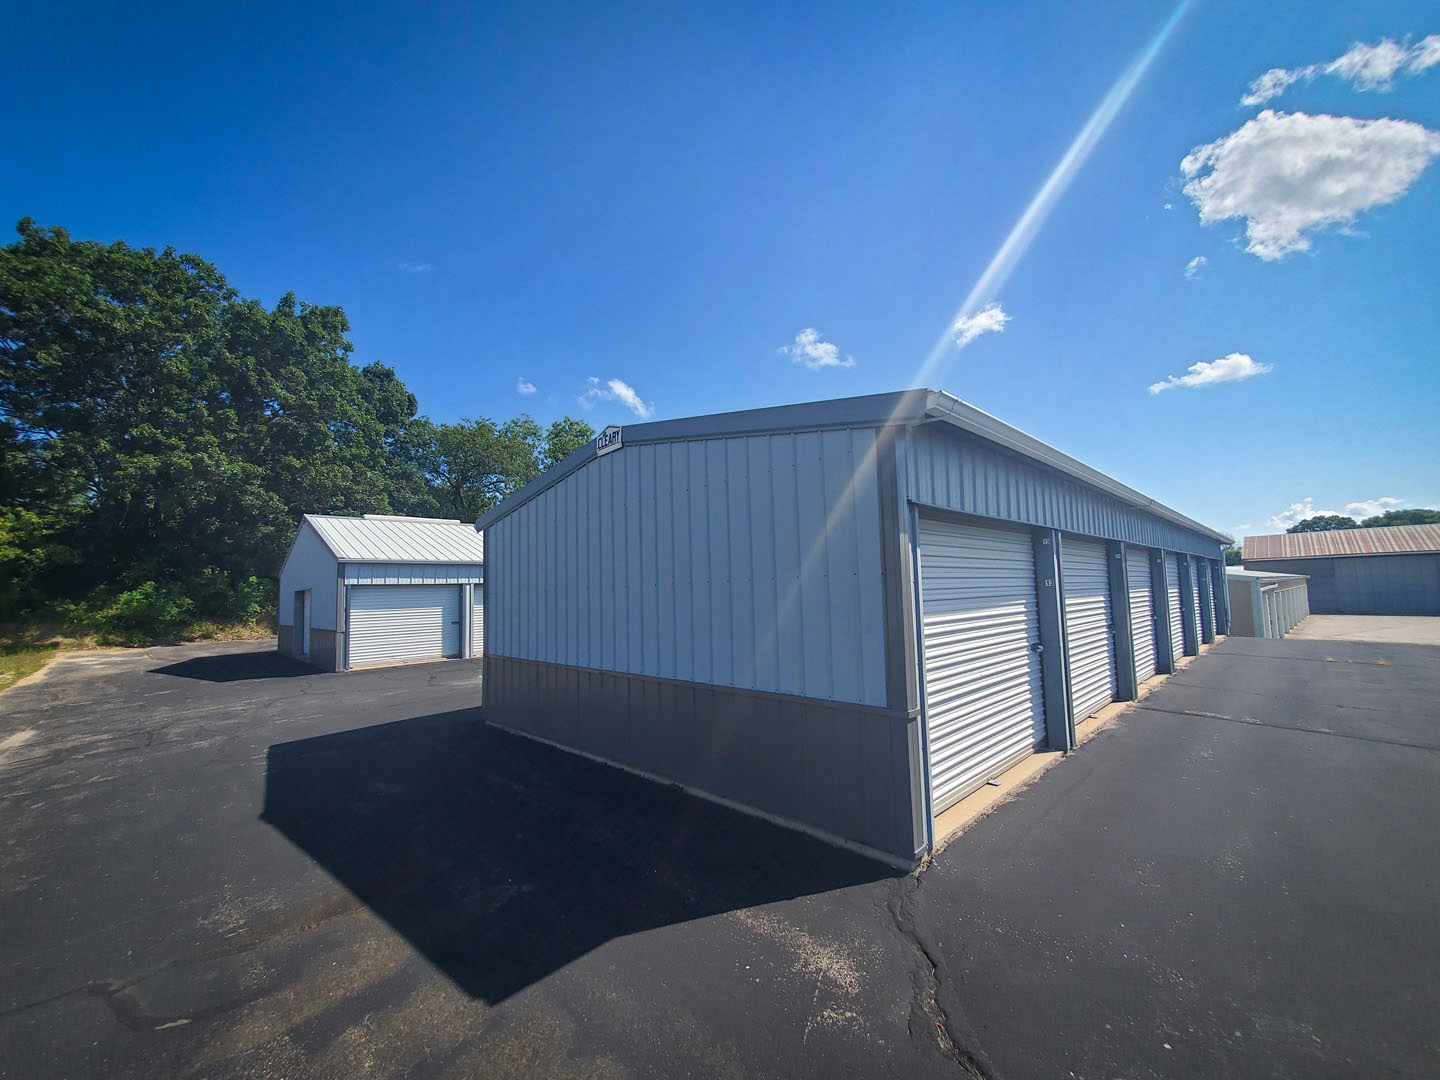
{"points": [[607, 440]]}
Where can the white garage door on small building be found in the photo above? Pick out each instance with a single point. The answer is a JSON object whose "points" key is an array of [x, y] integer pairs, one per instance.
{"points": [[477, 622], [1089, 641], [362, 591], [390, 624], [980, 618]]}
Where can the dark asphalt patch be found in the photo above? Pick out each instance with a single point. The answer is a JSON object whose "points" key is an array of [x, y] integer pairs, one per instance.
{"points": [[215, 864]]}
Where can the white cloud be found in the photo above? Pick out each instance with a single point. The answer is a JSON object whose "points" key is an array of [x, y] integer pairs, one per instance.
{"points": [[1290, 174], [1425, 55], [1273, 83], [1195, 265], [1305, 508], [1371, 507], [1208, 372], [524, 386], [989, 319], [1241, 528], [415, 268], [1296, 513], [1374, 67], [1365, 67], [615, 390], [812, 350]]}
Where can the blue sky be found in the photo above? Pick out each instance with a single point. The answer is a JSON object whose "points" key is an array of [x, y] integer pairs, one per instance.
{"points": [[671, 195]]}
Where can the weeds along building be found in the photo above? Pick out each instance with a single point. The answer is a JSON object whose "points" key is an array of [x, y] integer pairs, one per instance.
{"points": [[844, 615]]}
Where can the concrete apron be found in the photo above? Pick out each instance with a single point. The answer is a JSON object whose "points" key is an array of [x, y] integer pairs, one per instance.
{"points": [[979, 804]]}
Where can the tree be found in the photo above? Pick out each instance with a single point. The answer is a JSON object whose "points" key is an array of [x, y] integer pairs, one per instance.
{"points": [[474, 464], [1324, 523], [563, 438], [1402, 517], [1233, 556], [160, 427]]}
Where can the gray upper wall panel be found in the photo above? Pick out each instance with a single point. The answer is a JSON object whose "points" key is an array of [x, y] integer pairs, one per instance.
{"points": [[874, 410], [952, 470], [750, 561], [904, 409]]}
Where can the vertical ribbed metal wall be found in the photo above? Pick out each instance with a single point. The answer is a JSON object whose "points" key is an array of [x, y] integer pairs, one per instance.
{"points": [[970, 476], [752, 562]]}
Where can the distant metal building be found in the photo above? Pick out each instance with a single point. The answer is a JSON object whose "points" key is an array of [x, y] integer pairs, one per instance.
{"points": [[361, 591], [1387, 571], [845, 615], [1265, 604]]}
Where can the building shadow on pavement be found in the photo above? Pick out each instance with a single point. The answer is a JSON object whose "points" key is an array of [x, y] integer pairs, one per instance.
{"points": [[238, 666], [502, 860]]}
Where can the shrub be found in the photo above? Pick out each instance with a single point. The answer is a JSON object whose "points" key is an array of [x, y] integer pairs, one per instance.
{"points": [[148, 611]]}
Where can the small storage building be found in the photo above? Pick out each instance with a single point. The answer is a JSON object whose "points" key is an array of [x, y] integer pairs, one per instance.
{"points": [[844, 615], [1393, 570], [361, 591], [1264, 604]]}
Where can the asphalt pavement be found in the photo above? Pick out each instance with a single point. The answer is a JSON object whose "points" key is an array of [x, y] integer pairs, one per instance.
{"points": [[218, 863]]}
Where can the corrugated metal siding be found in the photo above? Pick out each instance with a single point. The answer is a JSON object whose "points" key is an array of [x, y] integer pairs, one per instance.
{"points": [[1367, 585], [1142, 613], [309, 565], [980, 619], [412, 574], [1089, 646], [968, 475], [1389, 540], [751, 562], [381, 539]]}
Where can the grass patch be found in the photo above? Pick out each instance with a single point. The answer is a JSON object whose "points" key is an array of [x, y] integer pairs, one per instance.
{"points": [[14, 666]]}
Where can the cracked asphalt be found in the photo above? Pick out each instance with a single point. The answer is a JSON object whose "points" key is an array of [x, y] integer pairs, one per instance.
{"points": [[216, 863]]}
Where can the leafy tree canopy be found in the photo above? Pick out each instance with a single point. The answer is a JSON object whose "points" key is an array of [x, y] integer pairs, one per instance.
{"points": [[1324, 523], [1402, 517], [155, 426]]}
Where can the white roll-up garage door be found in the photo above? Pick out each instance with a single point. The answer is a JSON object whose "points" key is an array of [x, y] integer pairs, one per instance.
{"points": [[390, 623], [1193, 609], [1172, 585], [983, 705], [477, 622], [1206, 591], [1089, 644], [1142, 614]]}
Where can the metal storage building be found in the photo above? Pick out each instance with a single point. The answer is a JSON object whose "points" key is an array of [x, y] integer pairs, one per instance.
{"points": [[360, 591], [844, 615], [1393, 570], [1264, 604]]}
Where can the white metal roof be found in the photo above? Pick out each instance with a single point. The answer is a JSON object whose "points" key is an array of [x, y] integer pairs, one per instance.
{"points": [[377, 538], [1262, 575]]}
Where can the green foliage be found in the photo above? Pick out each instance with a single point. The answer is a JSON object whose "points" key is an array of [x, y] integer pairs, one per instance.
{"points": [[474, 464], [144, 613], [1324, 523], [160, 437], [1402, 517], [1233, 556], [563, 438]]}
